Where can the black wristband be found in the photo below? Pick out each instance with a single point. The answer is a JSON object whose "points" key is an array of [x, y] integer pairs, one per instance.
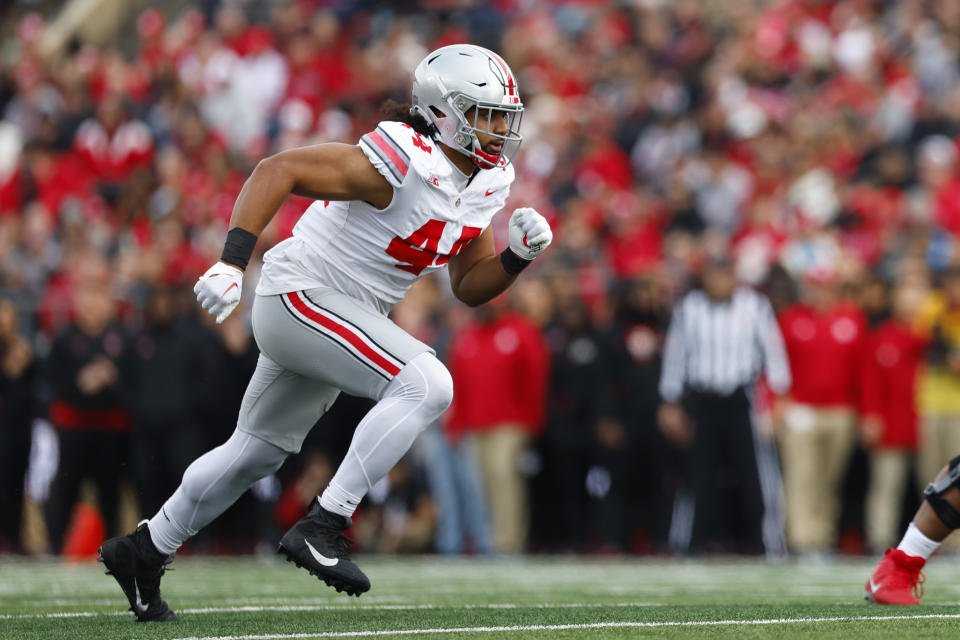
{"points": [[239, 247], [512, 263]]}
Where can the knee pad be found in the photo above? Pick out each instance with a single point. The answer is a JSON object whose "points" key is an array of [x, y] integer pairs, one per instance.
{"points": [[424, 378], [935, 490]]}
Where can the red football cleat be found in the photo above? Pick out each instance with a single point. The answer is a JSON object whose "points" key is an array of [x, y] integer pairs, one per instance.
{"points": [[896, 580]]}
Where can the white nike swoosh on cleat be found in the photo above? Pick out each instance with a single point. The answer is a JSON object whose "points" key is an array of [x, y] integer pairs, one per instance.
{"points": [[874, 586], [139, 604], [319, 557]]}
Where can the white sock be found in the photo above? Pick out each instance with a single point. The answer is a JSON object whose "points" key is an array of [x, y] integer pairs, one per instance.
{"points": [[167, 536], [338, 500], [410, 403], [915, 543]]}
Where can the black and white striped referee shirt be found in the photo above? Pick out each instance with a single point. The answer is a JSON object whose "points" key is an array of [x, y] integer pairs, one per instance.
{"points": [[721, 346]]}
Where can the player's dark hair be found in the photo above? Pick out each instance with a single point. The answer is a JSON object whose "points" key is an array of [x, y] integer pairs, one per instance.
{"points": [[400, 112]]}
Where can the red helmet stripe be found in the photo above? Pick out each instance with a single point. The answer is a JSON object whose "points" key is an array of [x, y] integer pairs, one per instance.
{"points": [[506, 71]]}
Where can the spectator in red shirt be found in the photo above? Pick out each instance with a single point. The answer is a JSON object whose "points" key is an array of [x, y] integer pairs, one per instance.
{"points": [[113, 145], [824, 337], [892, 357], [500, 365]]}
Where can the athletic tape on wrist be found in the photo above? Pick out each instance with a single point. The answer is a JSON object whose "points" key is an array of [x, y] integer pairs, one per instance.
{"points": [[239, 247], [512, 263]]}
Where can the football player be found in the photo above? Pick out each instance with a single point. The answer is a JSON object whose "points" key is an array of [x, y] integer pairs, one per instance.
{"points": [[897, 578], [416, 195]]}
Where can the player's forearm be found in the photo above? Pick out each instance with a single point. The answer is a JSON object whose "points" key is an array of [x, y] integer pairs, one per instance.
{"points": [[485, 280], [261, 196]]}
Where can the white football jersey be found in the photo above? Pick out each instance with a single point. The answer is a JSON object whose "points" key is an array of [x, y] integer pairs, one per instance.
{"points": [[375, 255]]}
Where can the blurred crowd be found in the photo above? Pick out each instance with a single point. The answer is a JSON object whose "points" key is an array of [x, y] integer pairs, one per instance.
{"points": [[813, 143]]}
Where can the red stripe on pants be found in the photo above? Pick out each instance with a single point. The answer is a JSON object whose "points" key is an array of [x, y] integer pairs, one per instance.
{"points": [[344, 333]]}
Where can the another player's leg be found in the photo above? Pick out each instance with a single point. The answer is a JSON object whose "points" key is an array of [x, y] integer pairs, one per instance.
{"points": [[897, 578]]}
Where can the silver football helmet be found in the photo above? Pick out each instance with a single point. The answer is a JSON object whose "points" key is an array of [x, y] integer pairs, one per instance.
{"points": [[451, 81]]}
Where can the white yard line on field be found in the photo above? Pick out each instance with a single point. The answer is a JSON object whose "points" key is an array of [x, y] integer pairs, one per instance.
{"points": [[342, 607], [566, 627]]}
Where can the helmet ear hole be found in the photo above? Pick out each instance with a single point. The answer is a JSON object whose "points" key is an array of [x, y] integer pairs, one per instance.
{"points": [[437, 112]]}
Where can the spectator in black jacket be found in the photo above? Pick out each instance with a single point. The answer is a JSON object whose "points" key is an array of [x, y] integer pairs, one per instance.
{"points": [[169, 381], [232, 351], [16, 415], [560, 503], [85, 368], [627, 443]]}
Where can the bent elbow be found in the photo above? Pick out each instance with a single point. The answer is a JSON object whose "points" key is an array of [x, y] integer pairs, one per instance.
{"points": [[269, 164], [466, 298], [469, 301], [275, 174]]}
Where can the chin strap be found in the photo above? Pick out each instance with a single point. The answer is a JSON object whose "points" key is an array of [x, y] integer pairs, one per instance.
{"points": [[486, 160]]}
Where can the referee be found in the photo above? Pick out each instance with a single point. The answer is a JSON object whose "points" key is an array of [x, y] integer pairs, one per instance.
{"points": [[721, 337]]}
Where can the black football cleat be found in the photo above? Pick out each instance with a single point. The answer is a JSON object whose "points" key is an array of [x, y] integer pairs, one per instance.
{"points": [[317, 543], [137, 567]]}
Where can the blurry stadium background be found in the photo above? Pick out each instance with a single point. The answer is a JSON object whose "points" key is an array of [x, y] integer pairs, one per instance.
{"points": [[814, 143]]}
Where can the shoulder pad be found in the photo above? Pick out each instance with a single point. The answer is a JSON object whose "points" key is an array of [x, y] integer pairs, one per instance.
{"points": [[395, 149]]}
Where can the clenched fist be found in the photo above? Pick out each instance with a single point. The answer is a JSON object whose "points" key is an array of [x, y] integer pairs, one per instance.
{"points": [[218, 290], [530, 233]]}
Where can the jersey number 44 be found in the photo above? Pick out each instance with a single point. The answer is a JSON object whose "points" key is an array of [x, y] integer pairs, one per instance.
{"points": [[418, 251]]}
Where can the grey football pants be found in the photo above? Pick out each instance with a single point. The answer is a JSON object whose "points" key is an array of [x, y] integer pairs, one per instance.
{"points": [[313, 345]]}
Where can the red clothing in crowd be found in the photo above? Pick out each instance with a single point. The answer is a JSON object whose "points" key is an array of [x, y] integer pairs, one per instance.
{"points": [[60, 176], [500, 372], [112, 157], [636, 251], [11, 194], [289, 508], [947, 206], [892, 357], [824, 351]]}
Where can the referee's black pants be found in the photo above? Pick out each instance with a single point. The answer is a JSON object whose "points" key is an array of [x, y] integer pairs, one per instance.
{"points": [[728, 508]]}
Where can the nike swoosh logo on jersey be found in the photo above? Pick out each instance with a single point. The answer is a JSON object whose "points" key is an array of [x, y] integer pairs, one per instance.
{"points": [[319, 557], [490, 192], [873, 586], [142, 608]]}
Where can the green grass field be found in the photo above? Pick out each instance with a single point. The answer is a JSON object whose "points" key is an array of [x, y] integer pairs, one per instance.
{"points": [[263, 598]]}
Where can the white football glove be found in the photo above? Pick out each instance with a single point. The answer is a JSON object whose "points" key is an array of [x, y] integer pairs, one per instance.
{"points": [[218, 290], [530, 233]]}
